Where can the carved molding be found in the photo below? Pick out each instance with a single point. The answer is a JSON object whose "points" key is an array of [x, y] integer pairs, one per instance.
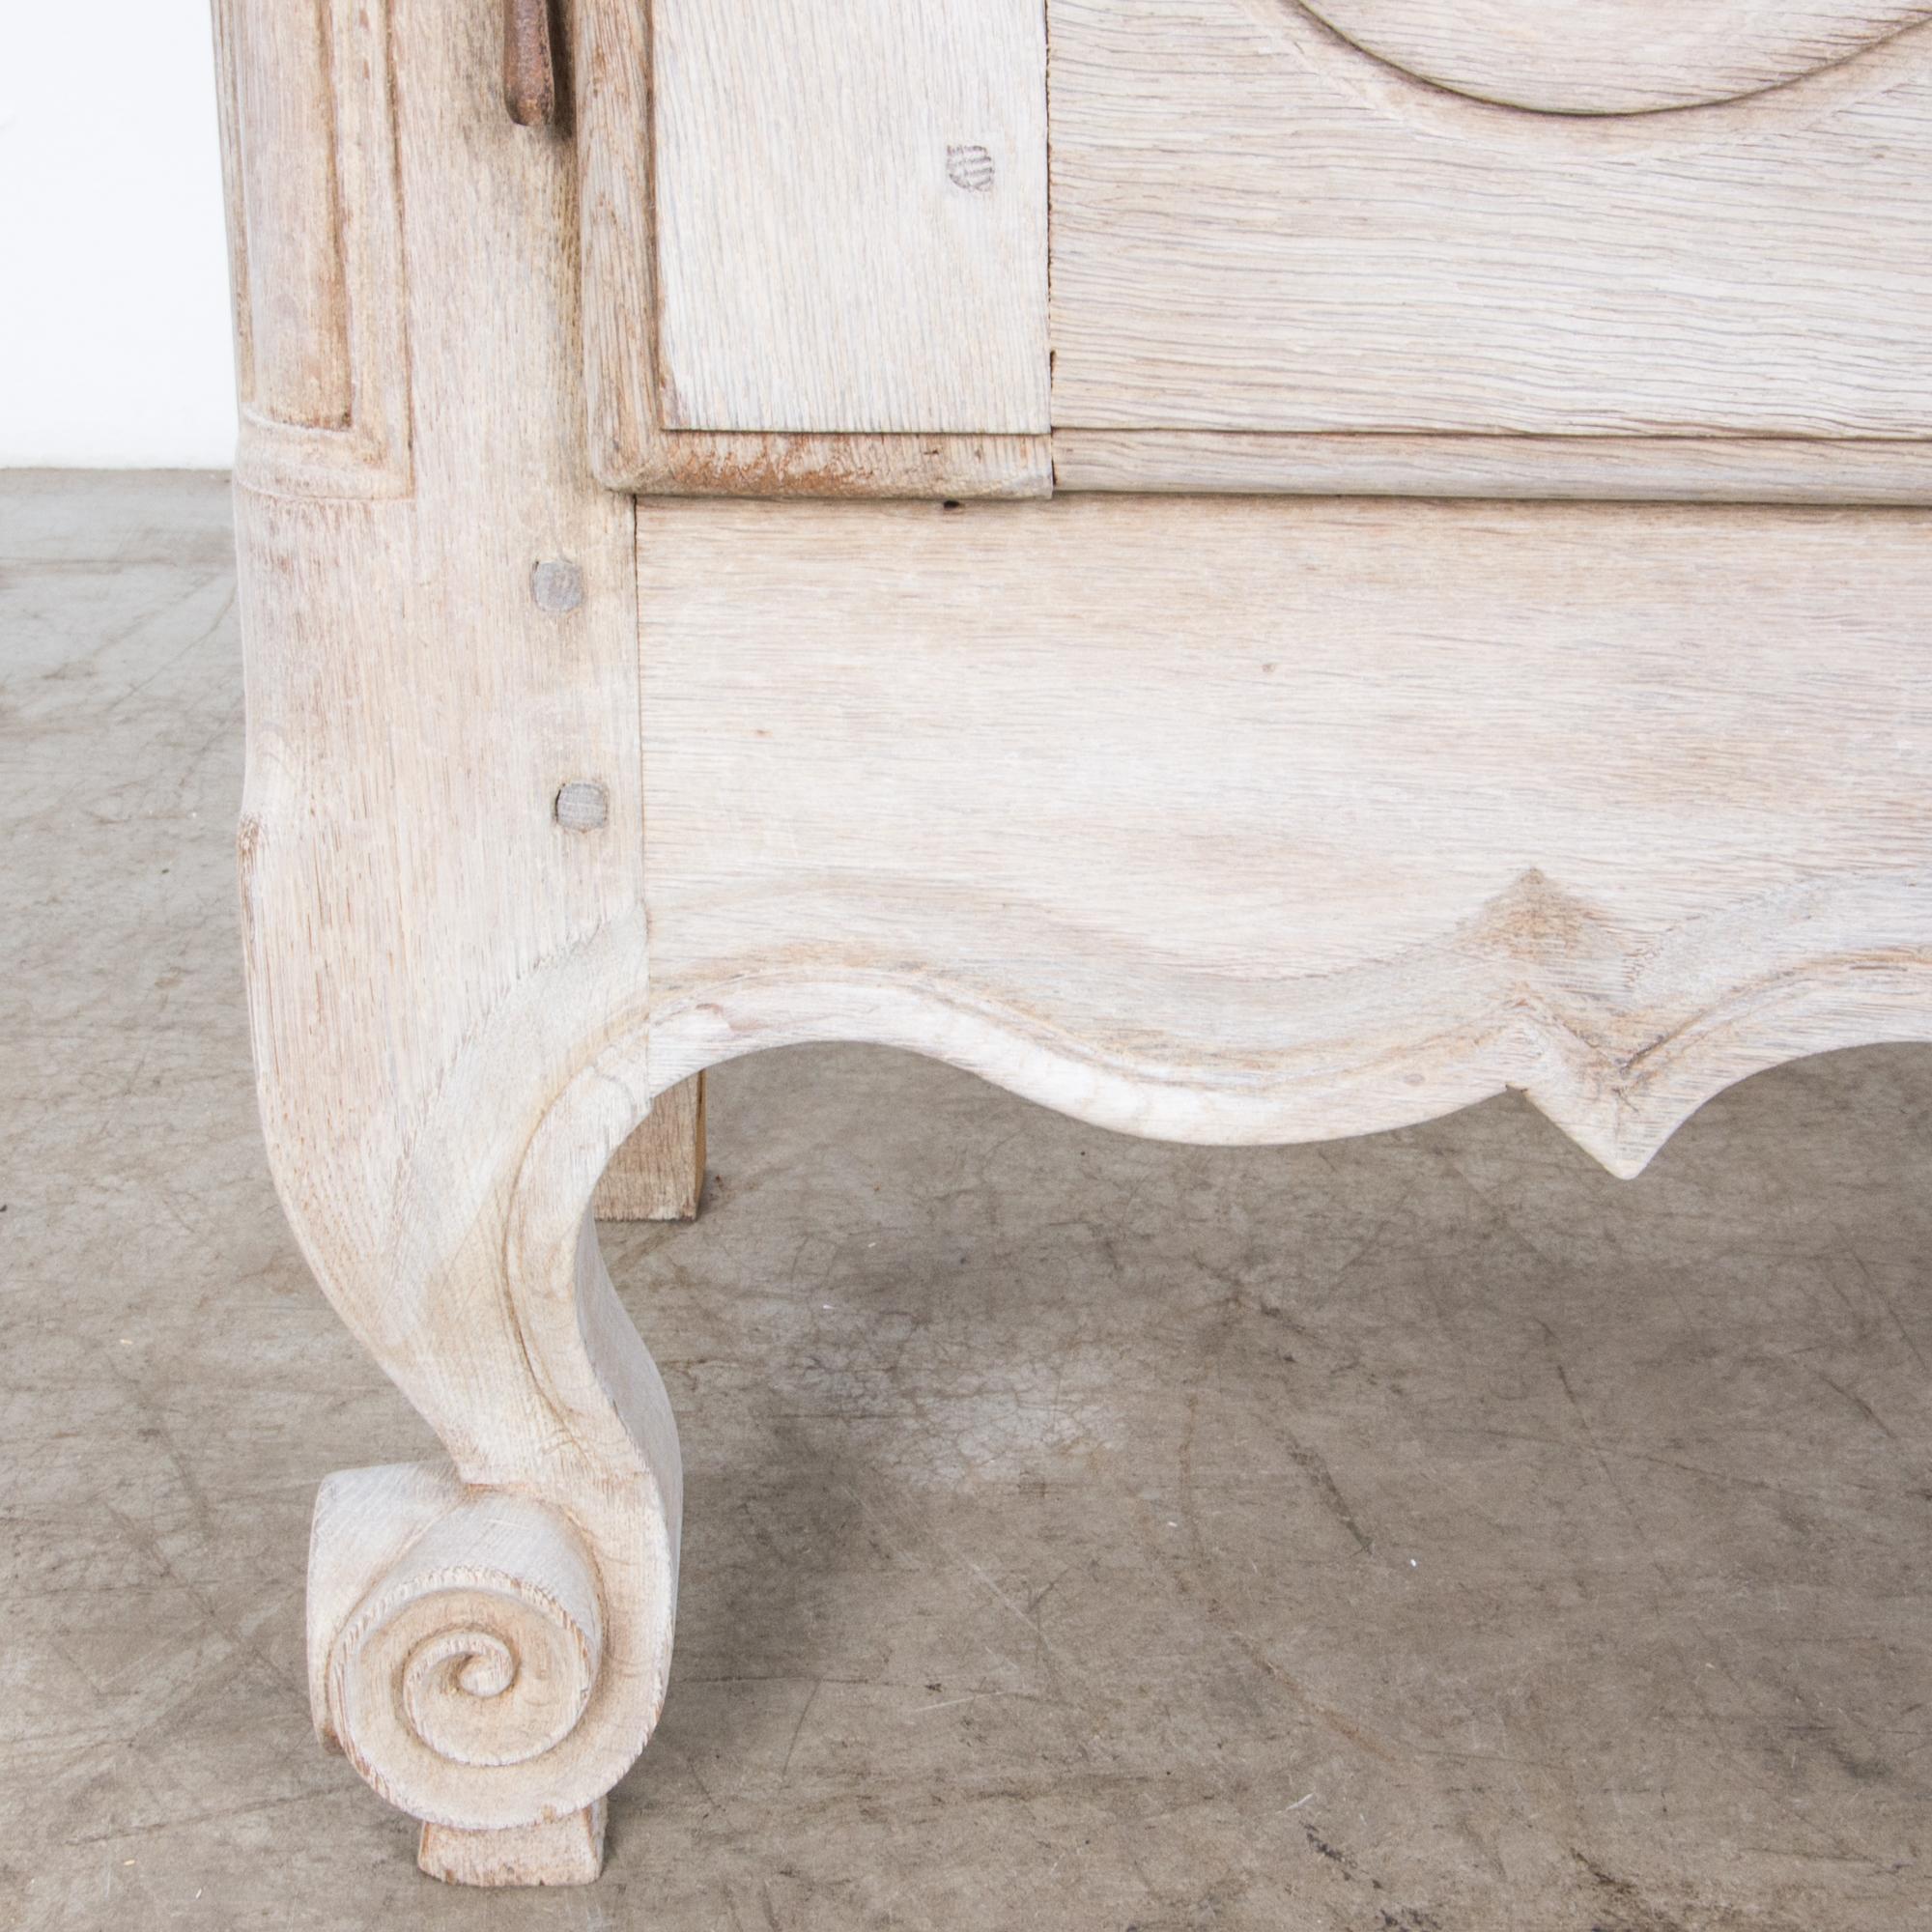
{"points": [[1617, 1039], [315, 246], [1544, 469], [1614, 57]]}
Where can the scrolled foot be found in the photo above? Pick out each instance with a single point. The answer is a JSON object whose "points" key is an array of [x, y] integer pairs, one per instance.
{"points": [[457, 1652]]}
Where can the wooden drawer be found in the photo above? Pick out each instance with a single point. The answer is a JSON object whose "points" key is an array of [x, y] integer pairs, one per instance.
{"points": [[1256, 225], [1641, 249]]}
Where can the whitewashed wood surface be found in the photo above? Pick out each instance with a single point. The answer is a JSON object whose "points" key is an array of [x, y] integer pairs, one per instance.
{"points": [[1257, 227], [1580, 468], [1247, 819], [315, 248], [631, 447], [432, 956], [1216, 817], [852, 225], [658, 1174]]}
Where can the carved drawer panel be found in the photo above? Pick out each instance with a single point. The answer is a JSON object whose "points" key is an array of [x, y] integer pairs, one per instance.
{"points": [[865, 250], [1259, 224], [1613, 56]]}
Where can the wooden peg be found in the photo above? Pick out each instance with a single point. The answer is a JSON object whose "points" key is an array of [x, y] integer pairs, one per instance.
{"points": [[529, 65]]}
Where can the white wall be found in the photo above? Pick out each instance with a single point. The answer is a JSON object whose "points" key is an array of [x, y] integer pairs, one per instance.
{"points": [[114, 324]]}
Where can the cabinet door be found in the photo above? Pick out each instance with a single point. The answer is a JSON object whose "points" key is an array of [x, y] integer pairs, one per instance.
{"points": [[815, 244], [851, 226]]}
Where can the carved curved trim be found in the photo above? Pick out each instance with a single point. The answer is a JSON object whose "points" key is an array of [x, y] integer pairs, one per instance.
{"points": [[1616, 1034], [603, 1451], [1392, 89], [1619, 1111], [1619, 1093], [581, 1049], [1584, 60]]}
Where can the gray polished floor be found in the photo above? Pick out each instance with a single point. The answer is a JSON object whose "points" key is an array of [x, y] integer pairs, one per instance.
{"points": [[1419, 1534]]}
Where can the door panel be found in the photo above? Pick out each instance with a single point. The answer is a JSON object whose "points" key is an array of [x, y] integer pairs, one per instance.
{"points": [[851, 215]]}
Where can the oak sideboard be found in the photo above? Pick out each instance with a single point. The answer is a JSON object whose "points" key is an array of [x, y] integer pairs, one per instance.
{"points": [[1251, 570]]}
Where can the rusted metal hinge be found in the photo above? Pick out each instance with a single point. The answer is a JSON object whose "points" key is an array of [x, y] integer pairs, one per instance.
{"points": [[530, 64]]}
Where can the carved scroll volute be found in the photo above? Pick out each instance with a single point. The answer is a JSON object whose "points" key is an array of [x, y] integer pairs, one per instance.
{"points": [[315, 245], [477, 1648]]}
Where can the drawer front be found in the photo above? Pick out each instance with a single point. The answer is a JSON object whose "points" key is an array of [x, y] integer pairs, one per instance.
{"points": [[1720, 229], [1613, 56]]}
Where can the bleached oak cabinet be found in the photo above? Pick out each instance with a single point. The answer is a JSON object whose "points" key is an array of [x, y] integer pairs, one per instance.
{"points": [[1248, 570]]}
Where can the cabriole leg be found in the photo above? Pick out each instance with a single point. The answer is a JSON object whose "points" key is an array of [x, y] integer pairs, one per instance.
{"points": [[442, 870]]}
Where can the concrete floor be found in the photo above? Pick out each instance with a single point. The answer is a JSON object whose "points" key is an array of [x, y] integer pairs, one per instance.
{"points": [[1419, 1534]]}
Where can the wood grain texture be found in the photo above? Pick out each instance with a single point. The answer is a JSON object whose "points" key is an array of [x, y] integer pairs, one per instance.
{"points": [[1242, 819], [1218, 817], [852, 215], [1646, 468], [1628, 57], [1250, 235], [631, 448], [315, 246], [658, 1174]]}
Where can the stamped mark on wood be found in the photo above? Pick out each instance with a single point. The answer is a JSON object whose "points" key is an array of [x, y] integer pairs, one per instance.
{"points": [[970, 167], [582, 806]]}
